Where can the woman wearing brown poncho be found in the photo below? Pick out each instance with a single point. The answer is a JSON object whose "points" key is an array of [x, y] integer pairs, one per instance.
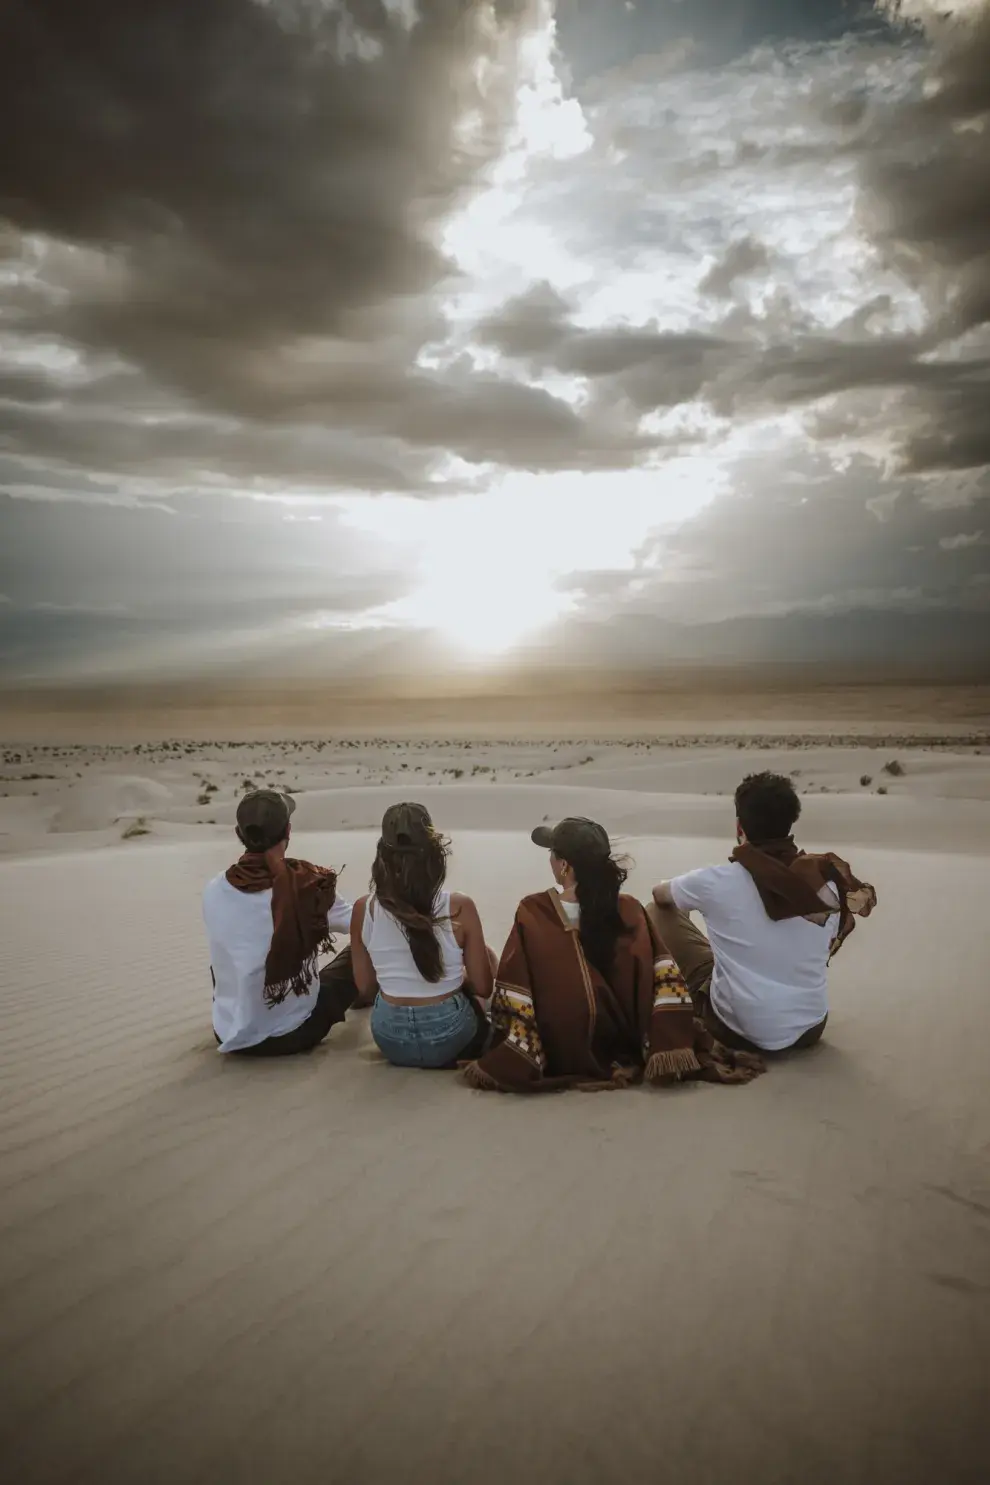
{"points": [[584, 995]]}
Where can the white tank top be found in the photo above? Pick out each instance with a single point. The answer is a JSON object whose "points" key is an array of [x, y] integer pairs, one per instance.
{"points": [[395, 967]]}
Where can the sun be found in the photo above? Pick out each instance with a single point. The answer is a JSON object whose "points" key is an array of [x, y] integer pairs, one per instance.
{"points": [[484, 614], [491, 571]]}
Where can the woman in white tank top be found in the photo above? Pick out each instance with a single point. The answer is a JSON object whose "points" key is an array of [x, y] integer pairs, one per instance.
{"points": [[419, 949]]}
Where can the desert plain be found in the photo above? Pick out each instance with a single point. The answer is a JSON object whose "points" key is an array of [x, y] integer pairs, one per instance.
{"points": [[329, 1269]]}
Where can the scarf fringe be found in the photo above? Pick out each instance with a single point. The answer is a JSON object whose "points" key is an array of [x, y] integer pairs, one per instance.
{"points": [[299, 984], [681, 1063], [476, 1077]]}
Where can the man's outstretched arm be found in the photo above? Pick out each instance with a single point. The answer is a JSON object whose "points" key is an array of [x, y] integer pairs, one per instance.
{"points": [[662, 895]]}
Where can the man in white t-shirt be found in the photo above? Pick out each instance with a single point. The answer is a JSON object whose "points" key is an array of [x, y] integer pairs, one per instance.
{"points": [[773, 916], [268, 918]]}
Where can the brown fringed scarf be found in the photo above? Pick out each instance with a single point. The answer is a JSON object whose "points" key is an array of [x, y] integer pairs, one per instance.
{"points": [[558, 1023], [302, 896], [789, 882]]}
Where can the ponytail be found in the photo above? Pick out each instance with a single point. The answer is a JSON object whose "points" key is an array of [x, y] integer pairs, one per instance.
{"points": [[599, 880]]}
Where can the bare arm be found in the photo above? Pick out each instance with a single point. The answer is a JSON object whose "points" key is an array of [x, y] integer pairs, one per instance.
{"points": [[662, 895], [471, 936], [364, 971]]}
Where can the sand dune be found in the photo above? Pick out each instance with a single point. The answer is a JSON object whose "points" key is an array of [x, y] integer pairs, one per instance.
{"points": [[96, 805], [333, 1270]]}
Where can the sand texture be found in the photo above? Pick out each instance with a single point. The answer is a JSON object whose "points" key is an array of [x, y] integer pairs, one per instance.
{"points": [[328, 1269]]}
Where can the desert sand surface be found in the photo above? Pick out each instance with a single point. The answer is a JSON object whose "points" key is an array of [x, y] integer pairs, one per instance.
{"points": [[329, 1269]]}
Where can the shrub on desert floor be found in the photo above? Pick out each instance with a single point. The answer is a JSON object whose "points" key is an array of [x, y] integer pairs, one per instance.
{"points": [[136, 827], [894, 768]]}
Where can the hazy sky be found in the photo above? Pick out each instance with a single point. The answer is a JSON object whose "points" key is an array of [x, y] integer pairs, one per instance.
{"points": [[331, 322]]}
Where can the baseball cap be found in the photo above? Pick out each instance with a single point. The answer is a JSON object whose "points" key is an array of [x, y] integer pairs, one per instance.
{"points": [[263, 817], [407, 826], [573, 837]]}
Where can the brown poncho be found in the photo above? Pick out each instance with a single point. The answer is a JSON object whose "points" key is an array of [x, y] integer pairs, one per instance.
{"points": [[558, 1023], [302, 896], [789, 882]]}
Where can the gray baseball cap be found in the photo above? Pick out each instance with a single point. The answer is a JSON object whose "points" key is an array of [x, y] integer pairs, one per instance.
{"points": [[263, 817], [573, 837]]}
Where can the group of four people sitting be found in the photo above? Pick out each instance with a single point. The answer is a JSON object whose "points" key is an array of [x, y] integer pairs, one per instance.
{"points": [[592, 989]]}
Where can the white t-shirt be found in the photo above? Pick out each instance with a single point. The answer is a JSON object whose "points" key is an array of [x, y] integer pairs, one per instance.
{"points": [[769, 982], [239, 929]]}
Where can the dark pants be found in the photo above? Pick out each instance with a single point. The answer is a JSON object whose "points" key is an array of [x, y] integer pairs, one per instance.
{"points": [[692, 953], [337, 994]]}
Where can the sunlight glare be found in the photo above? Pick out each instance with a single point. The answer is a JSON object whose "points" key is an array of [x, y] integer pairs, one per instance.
{"points": [[547, 125], [489, 566]]}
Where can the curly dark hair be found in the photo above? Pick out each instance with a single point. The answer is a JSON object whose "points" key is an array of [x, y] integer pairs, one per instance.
{"points": [[767, 807]]}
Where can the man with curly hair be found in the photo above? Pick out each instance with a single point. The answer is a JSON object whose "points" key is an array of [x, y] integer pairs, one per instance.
{"points": [[774, 916]]}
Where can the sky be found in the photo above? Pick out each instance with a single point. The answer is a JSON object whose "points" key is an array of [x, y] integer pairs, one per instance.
{"points": [[345, 334]]}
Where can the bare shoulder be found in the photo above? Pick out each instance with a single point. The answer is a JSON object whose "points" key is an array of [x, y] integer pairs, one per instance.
{"points": [[462, 906]]}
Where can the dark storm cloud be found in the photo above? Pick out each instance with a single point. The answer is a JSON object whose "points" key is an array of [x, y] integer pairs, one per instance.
{"points": [[248, 197], [110, 444], [222, 273], [921, 153], [744, 257], [651, 367], [530, 325], [390, 432], [803, 535], [733, 367], [950, 428], [794, 536], [244, 219], [927, 201], [926, 179], [263, 170]]}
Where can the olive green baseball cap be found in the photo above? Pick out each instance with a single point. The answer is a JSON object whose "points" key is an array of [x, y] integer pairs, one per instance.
{"points": [[573, 837]]}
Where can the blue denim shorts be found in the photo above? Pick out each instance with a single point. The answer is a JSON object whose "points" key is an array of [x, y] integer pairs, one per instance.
{"points": [[424, 1035]]}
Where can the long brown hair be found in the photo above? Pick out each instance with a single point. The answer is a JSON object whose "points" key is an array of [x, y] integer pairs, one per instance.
{"points": [[406, 880]]}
